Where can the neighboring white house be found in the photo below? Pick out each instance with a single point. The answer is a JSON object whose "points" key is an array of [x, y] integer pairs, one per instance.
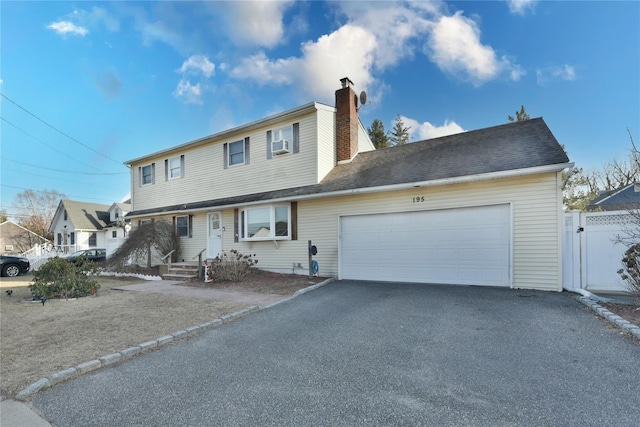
{"points": [[481, 207], [80, 225]]}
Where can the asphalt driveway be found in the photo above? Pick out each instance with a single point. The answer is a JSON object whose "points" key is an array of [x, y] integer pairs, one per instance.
{"points": [[356, 353]]}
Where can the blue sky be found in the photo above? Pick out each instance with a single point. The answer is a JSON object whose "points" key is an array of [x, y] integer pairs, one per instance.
{"points": [[88, 85]]}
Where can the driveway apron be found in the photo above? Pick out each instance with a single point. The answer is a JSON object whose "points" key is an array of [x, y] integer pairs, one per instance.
{"points": [[360, 353]]}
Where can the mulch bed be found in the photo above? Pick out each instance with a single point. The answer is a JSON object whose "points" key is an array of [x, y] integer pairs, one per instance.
{"points": [[263, 282], [628, 312]]}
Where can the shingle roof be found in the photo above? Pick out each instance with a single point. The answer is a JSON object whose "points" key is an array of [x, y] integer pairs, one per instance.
{"points": [[624, 198], [87, 216], [512, 146]]}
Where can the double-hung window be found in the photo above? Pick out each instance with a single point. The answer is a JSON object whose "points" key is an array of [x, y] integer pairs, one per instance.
{"points": [[183, 225], [174, 167], [93, 239], [271, 222], [236, 153], [146, 174]]}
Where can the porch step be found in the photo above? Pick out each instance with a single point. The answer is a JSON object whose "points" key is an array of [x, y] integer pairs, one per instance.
{"points": [[182, 271]]}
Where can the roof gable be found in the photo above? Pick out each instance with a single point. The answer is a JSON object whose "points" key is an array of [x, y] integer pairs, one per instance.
{"points": [[85, 216]]}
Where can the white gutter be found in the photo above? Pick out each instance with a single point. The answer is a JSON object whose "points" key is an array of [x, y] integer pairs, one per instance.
{"points": [[380, 189]]}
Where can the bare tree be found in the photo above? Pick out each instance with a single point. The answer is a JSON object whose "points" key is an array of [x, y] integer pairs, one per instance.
{"points": [[583, 186], [145, 240], [35, 210]]}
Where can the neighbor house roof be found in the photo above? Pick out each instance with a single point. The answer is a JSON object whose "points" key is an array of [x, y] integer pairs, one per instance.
{"points": [[85, 216], [483, 154], [627, 197]]}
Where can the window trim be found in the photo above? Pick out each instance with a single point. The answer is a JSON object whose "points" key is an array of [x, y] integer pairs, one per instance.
{"points": [[226, 148], [294, 143], [168, 169], [189, 226], [243, 224], [152, 167]]}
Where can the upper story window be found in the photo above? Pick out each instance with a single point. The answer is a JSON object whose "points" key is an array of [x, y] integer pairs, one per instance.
{"points": [[65, 214], [236, 153], [283, 140], [266, 223], [147, 174], [174, 167]]}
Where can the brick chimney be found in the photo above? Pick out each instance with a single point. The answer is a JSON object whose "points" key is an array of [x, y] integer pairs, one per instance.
{"points": [[346, 122]]}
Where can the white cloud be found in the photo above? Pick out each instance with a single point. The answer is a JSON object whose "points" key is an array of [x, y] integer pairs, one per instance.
{"points": [[67, 27], [375, 37], [188, 93], [198, 63], [520, 7], [96, 16], [345, 52], [260, 68], [564, 72], [454, 45], [255, 23], [420, 131]]}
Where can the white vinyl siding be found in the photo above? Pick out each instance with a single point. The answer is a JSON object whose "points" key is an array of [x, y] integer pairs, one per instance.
{"points": [[208, 179], [536, 209], [326, 160]]}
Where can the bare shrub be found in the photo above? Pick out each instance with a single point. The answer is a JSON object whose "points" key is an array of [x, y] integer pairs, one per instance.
{"points": [[144, 241], [233, 266], [630, 271]]}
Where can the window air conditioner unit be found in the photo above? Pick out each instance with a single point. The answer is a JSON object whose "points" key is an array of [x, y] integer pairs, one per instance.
{"points": [[280, 147]]}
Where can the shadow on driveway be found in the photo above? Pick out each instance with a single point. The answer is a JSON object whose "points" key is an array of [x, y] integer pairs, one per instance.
{"points": [[357, 353]]}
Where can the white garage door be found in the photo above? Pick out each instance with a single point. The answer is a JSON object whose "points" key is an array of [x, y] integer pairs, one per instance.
{"points": [[467, 246]]}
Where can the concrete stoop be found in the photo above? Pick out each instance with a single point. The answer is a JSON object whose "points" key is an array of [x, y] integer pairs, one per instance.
{"points": [[183, 271]]}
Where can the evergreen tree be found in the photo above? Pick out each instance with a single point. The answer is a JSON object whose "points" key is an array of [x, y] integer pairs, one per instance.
{"points": [[377, 134], [400, 133], [520, 115]]}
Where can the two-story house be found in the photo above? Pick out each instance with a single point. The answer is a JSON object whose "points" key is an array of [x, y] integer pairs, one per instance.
{"points": [[477, 208]]}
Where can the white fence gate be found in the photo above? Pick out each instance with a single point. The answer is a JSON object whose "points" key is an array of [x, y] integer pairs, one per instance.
{"points": [[592, 257]]}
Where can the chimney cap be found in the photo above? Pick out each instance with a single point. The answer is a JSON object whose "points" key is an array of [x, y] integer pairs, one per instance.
{"points": [[346, 82]]}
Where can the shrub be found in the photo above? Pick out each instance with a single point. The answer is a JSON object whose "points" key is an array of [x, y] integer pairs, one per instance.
{"points": [[233, 266], [60, 278], [630, 271]]}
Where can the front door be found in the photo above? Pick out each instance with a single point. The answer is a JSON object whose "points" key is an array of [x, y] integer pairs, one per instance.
{"points": [[214, 234]]}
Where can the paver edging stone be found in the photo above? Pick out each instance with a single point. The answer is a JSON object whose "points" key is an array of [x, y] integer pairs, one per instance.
{"points": [[110, 359], [618, 321]]}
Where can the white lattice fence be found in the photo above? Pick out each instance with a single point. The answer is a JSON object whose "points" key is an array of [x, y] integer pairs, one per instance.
{"points": [[592, 254]]}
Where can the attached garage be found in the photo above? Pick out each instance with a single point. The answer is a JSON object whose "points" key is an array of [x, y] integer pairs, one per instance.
{"points": [[464, 246]]}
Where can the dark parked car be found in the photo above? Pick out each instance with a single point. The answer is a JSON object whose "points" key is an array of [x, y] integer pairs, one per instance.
{"points": [[13, 266], [95, 255]]}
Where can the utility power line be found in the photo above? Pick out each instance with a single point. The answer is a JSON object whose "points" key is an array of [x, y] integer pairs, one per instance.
{"points": [[56, 129], [44, 143], [65, 171]]}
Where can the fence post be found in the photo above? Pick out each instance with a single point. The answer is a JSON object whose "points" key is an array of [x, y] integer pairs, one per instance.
{"points": [[578, 232]]}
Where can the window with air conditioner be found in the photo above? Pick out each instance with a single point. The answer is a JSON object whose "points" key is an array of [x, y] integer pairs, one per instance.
{"points": [[281, 140]]}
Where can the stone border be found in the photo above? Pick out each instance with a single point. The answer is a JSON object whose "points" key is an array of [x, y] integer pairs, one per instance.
{"points": [[127, 353], [611, 317]]}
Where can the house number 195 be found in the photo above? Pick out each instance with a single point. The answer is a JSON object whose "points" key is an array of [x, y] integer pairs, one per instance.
{"points": [[419, 199]]}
